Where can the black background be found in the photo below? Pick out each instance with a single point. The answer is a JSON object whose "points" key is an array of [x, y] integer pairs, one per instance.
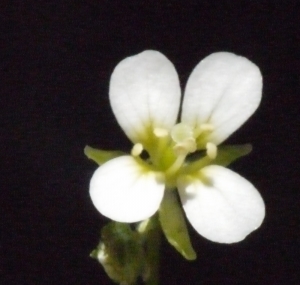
{"points": [[57, 62]]}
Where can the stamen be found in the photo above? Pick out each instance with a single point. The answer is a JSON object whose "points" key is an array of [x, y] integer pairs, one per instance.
{"points": [[204, 128], [160, 132], [137, 149], [207, 127], [176, 165], [211, 150]]}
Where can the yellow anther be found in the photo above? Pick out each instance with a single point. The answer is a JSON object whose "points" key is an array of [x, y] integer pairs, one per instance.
{"points": [[137, 149], [207, 127], [160, 132], [211, 150], [204, 128]]}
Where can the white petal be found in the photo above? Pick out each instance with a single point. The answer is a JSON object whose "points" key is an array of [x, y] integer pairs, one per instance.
{"points": [[145, 92], [125, 191], [223, 206], [223, 90]]}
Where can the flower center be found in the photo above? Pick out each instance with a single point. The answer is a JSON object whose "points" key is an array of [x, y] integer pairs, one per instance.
{"points": [[168, 151], [184, 143], [183, 136]]}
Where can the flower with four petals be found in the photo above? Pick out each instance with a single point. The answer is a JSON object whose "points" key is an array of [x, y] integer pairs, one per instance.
{"points": [[222, 92]]}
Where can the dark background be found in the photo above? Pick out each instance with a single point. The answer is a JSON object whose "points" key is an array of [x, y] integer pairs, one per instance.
{"points": [[57, 61]]}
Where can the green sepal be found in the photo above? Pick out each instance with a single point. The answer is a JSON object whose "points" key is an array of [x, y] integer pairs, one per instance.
{"points": [[225, 156], [101, 156], [121, 253], [230, 153], [174, 227]]}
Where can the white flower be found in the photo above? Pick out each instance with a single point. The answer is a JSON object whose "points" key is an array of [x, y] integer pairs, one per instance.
{"points": [[221, 94]]}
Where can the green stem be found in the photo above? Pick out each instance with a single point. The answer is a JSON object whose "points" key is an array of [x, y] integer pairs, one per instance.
{"points": [[152, 235]]}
